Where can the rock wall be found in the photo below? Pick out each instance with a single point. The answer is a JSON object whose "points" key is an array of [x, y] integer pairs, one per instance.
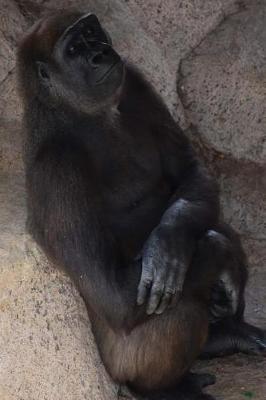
{"points": [[207, 59]]}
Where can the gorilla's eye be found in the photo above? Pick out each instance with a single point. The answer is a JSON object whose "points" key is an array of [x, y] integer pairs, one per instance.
{"points": [[72, 50], [77, 46]]}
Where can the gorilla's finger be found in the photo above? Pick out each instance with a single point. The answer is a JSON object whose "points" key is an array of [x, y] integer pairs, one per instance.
{"points": [[175, 298], [143, 288], [181, 277], [164, 302], [169, 291], [155, 298]]}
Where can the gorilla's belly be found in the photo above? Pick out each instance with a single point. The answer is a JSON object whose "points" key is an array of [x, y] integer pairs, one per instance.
{"points": [[136, 221]]}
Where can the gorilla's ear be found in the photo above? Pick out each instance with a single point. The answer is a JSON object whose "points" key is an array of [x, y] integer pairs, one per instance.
{"points": [[43, 71]]}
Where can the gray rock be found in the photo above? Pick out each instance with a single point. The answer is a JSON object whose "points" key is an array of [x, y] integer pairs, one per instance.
{"points": [[223, 91], [178, 26], [47, 348], [223, 85], [243, 197]]}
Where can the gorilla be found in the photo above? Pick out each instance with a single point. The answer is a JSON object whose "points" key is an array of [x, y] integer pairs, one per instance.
{"points": [[117, 197]]}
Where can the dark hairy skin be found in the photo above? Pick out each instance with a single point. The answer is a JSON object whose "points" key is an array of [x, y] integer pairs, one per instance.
{"points": [[118, 199]]}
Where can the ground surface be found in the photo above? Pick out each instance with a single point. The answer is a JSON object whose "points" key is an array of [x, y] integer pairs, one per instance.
{"points": [[208, 60]]}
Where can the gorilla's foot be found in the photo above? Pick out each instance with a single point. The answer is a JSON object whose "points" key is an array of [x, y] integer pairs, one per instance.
{"points": [[231, 336], [189, 389], [250, 339]]}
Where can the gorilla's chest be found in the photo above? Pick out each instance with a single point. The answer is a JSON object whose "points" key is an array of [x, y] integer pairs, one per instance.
{"points": [[127, 164], [132, 184]]}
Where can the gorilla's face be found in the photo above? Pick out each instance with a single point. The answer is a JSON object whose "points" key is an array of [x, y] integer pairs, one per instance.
{"points": [[86, 70]]}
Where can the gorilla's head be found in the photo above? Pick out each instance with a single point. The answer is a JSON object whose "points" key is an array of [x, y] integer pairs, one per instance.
{"points": [[69, 59]]}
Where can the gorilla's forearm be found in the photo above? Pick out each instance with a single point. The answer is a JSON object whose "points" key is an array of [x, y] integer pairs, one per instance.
{"points": [[194, 207]]}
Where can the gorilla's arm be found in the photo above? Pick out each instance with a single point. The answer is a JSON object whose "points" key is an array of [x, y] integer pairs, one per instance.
{"points": [[67, 216], [169, 249], [193, 208]]}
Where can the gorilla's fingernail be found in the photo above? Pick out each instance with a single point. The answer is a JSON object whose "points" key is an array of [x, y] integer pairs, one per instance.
{"points": [[150, 310]]}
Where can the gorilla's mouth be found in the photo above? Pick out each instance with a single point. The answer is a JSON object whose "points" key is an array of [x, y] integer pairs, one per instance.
{"points": [[108, 72]]}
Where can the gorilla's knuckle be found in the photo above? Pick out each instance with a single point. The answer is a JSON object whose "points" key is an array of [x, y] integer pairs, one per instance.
{"points": [[170, 291], [157, 290], [216, 237], [147, 281]]}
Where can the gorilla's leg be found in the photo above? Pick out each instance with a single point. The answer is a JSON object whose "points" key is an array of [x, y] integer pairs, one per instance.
{"points": [[229, 333], [154, 358]]}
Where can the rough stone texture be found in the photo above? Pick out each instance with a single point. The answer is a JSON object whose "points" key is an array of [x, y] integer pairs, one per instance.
{"points": [[223, 90], [180, 25], [47, 351], [223, 85], [47, 348]]}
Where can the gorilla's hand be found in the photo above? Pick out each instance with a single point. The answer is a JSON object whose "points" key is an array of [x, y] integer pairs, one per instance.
{"points": [[163, 270]]}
